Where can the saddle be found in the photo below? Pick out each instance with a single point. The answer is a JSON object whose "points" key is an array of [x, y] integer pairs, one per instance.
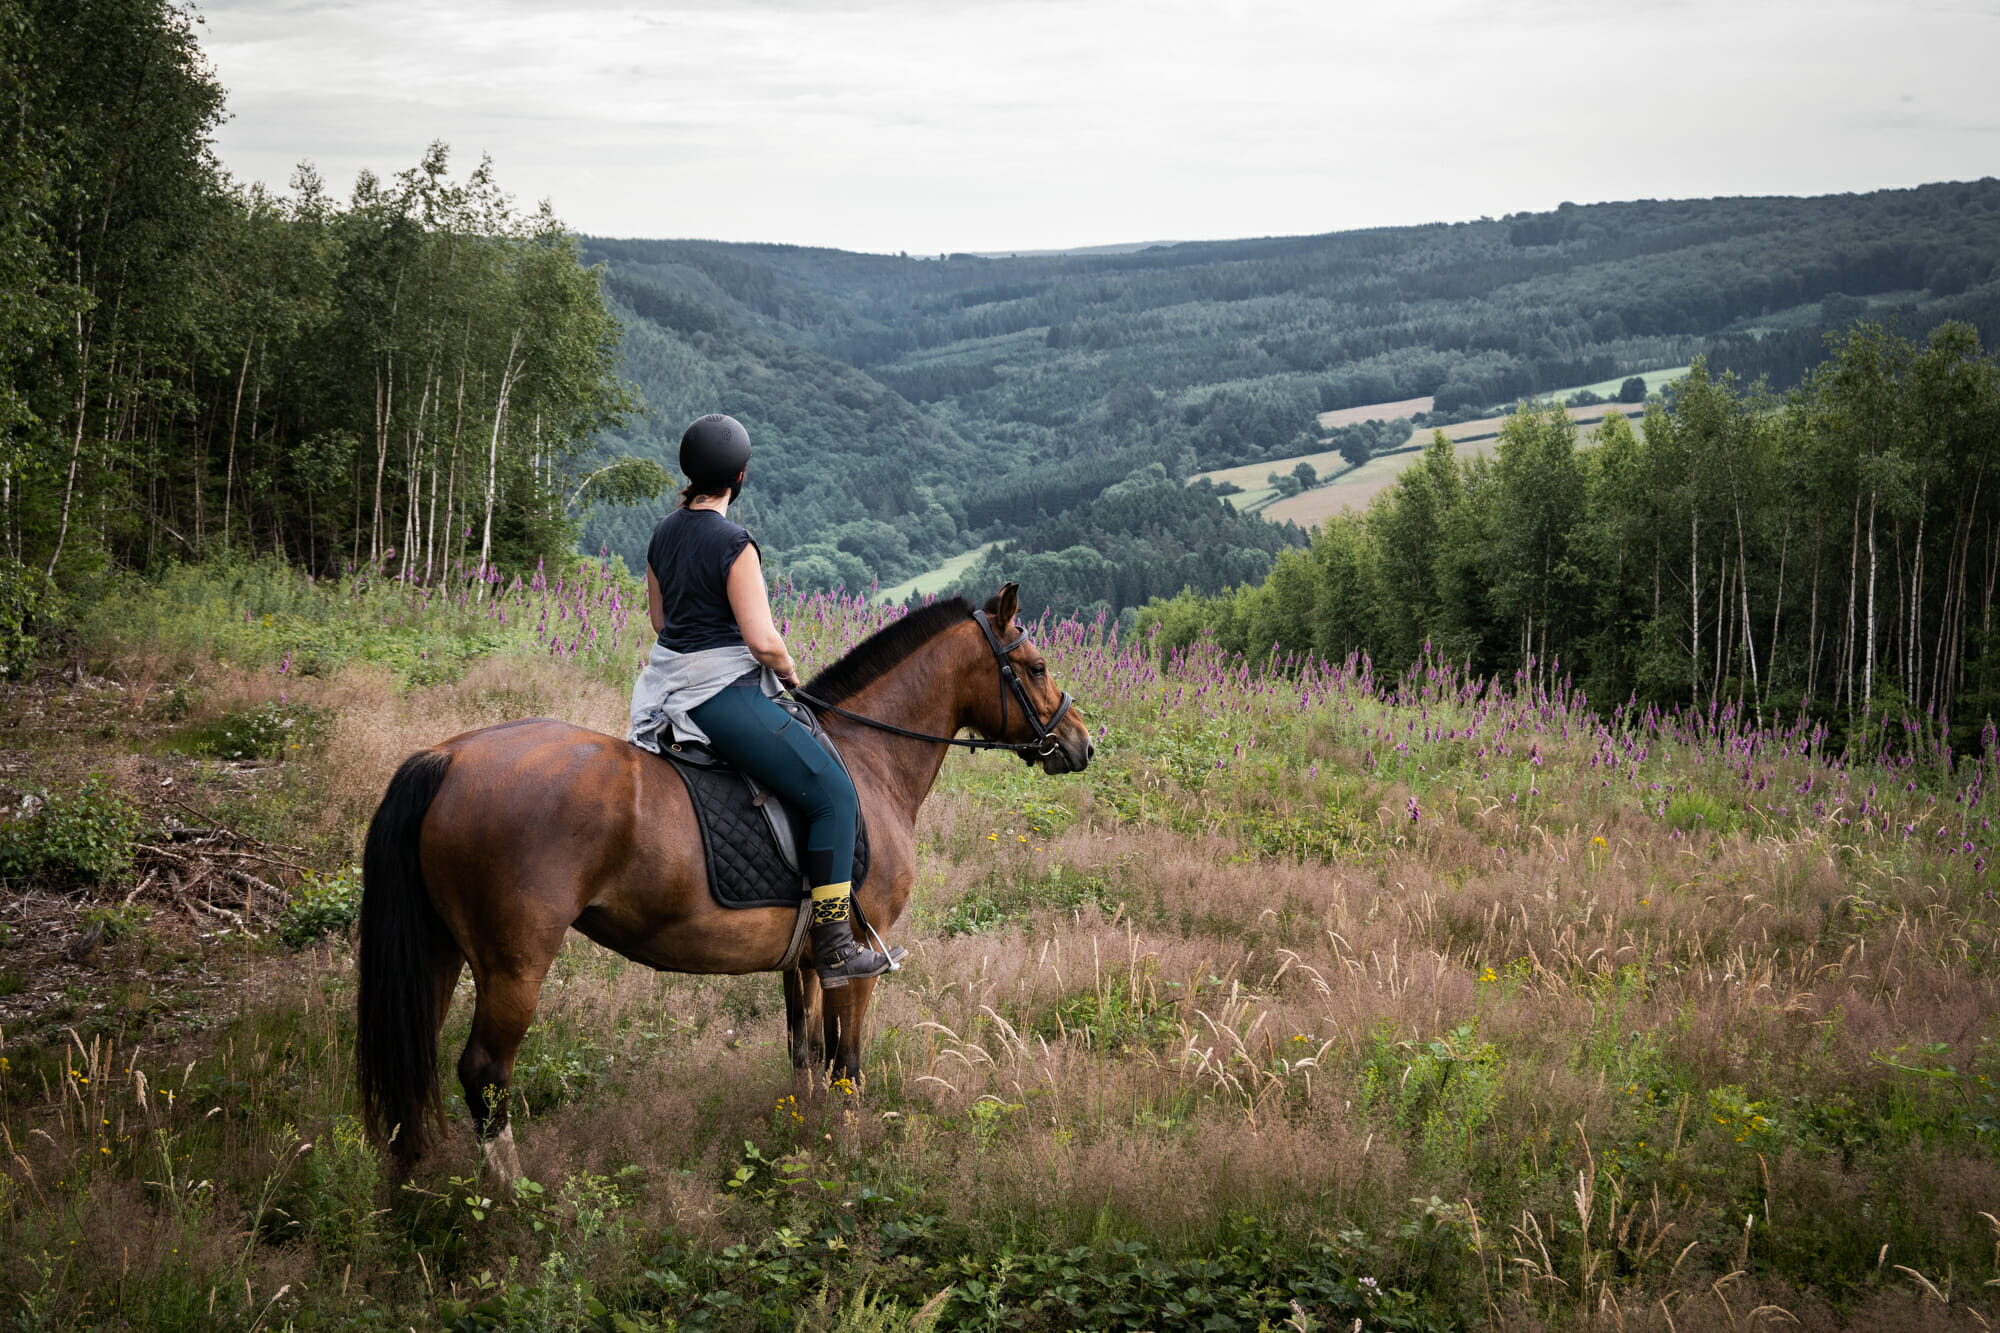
{"points": [[750, 838]]}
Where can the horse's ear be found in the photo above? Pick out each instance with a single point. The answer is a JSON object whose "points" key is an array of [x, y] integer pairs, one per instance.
{"points": [[1000, 607]]}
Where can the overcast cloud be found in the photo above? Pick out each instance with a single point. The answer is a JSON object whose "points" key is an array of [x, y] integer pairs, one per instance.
{"points": [[934, 125]]}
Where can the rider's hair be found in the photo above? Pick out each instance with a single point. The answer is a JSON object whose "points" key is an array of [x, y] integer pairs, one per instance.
{"points": [[701, 490]]}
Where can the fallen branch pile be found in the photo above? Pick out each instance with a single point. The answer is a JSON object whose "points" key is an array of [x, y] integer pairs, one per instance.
{"points": [[214, 870]]}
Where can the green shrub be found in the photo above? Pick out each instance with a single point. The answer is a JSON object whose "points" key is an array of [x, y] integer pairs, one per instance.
{"points": [[82, 837], [331, 1195], [119, 922], [322, 905], [269, 731], [1325, 836], [29, 605], [1692, 810], [1046, 819], [999, 899], [551, 1071]]}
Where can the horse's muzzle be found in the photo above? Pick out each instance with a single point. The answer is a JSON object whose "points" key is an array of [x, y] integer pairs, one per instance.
{"points": [[1068, 756]]}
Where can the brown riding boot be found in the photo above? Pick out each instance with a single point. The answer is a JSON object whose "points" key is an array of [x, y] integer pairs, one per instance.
{"points": [[837, 957]]}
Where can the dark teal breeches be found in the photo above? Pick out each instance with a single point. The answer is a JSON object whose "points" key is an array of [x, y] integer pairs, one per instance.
{"points": [[773, 747]]}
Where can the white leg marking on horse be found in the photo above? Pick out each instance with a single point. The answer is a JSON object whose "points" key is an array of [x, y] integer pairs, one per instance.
{"points": [[501, 1158]]}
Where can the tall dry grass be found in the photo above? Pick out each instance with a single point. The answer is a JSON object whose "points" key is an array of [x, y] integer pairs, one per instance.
{"points": [[1431, 977]]}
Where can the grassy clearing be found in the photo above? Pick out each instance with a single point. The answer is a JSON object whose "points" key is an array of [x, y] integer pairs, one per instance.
{"points": [[1318, 999], [936, 580], [1656, 380]]}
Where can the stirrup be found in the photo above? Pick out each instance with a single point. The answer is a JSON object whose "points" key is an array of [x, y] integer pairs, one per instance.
{"points": [[895, 953]]}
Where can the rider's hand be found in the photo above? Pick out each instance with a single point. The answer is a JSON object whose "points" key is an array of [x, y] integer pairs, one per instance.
{"points": [[789, 679]]}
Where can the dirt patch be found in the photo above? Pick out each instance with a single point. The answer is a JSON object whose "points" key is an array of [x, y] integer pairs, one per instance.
{"points": [[149, 949]]}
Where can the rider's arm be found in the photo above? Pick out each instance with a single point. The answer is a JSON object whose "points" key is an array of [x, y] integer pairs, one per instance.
{"points": [[752, 605], [654, 611]]}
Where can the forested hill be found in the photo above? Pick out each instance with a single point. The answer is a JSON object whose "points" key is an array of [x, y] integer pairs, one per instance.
{"points": [[915, 405]]}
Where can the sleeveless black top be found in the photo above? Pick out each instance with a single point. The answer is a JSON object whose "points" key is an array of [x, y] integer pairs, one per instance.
{"points": [[690, 555]]}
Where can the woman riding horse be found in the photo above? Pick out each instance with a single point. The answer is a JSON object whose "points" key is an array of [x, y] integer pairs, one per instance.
{"points": [[490, 847], [717, 667]]}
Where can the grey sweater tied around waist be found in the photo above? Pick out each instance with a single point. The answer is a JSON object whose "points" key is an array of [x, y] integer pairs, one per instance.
{"points": [[674, 684]]}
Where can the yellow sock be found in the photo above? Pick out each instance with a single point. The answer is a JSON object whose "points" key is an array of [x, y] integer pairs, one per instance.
{"points": [[830, 902]]}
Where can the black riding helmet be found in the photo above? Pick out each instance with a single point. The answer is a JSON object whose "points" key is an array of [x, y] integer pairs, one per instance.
{"points": [[714, 449]]}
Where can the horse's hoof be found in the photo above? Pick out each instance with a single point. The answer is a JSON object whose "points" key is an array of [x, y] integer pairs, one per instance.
{"points": [[501, 1157]]}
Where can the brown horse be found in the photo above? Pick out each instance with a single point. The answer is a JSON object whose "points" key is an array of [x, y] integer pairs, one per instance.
{"points": [[488, 848]]}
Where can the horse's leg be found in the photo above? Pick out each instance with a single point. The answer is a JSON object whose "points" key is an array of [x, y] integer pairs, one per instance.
{"points": [[802, 1001], [843, 1011], [500, 1019]]}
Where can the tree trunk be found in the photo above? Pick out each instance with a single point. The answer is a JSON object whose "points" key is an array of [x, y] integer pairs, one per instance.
{"points": [[1913, 650], [451, 473], [507, 377], [1749, 637], [1853, 589], [1951, 616], [235, 415], [385, 406], [1868, 670], [413, 520], [76, 436], [1694, 603], [1777, 608], [1721, 626]]}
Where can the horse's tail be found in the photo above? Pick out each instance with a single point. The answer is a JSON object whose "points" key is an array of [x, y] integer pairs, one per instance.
{"points": [[396, 1018]]}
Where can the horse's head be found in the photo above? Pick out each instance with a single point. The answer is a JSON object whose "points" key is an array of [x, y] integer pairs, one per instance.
{"points": [[1064, 742]]}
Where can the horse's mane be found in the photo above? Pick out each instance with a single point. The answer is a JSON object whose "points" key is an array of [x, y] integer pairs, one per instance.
{"points": [[881, 652]]}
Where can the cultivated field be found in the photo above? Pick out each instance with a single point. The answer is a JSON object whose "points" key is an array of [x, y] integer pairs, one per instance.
{"points": [[1354, 416], [1318, 1002], [1356, 487], [1353, 489]]}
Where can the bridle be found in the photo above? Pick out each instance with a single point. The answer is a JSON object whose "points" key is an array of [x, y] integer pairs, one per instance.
{"points": [[1044, 744]]}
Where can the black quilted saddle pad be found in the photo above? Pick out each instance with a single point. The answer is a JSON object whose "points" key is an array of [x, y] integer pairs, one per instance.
{"points": [[746, 868]]}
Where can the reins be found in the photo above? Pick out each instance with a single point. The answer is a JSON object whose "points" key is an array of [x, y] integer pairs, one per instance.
{"points": [[1045, 742]]}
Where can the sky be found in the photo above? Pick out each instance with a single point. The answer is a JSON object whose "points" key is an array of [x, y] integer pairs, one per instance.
{"points": [[930, 126]]}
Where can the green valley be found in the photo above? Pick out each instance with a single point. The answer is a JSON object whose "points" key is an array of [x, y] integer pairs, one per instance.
{"points": [[908, 410]]}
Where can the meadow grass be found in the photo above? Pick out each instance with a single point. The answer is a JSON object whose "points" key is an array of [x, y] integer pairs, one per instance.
{"points": [[1319, 998]]}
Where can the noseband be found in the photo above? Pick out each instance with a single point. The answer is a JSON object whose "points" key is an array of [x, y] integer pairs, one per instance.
{"points": [[1044, 744]]}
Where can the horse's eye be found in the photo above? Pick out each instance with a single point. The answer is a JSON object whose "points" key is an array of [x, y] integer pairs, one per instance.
{"points": [[1038, 670]]}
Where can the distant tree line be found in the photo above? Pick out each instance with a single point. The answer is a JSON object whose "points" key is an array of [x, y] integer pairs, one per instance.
{"points": [[414, 377], [1141, 538], [1836, 551]]}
